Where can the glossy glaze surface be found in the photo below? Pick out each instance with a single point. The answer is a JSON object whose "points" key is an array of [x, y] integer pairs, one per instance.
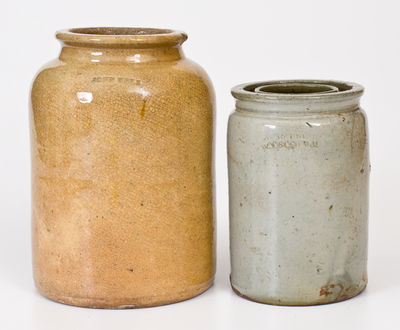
{"points": [[122, 166], [298, 184]]}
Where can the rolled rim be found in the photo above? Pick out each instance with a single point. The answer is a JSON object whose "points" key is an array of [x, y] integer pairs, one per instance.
{"points": [[248, 91], [121, 37]]}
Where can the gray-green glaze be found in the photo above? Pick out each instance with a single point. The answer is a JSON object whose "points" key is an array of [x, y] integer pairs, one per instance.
{"points": [[298, 184]]}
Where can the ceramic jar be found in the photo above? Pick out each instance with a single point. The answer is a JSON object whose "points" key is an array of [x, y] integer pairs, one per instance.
{"points": [[122, 163], [298, 185]]}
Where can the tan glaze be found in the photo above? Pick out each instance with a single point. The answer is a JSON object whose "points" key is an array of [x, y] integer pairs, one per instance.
{"points": [[122, 168]]}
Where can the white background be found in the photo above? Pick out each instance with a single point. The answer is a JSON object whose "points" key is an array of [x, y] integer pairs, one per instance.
{"points": [[236, 42]]}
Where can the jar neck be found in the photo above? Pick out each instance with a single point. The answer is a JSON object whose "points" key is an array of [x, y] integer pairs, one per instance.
{"points": [[288, 108], [298, 97], [120, 55], [115, 44]]}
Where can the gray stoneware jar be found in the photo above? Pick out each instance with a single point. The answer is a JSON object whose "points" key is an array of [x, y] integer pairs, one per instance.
{"points": [[298, 189]]}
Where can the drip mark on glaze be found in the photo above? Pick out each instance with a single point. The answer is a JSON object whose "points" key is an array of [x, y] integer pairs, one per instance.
{"points": [[143, 110]]}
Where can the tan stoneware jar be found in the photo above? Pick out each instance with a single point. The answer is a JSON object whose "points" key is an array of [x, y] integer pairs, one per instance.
{"points": [[122, 170]]}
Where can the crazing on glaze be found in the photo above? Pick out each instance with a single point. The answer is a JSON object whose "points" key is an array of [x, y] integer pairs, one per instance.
{"points": [[122, 139], [298, 186]]}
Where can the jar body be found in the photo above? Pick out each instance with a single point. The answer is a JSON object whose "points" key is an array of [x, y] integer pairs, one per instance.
{"points": [[298, 187], [122, 167]]}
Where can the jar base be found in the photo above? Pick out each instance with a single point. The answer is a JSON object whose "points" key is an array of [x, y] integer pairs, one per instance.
{"points": [[267, 301], [129, 303]]}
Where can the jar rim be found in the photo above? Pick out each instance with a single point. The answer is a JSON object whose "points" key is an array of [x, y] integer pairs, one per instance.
{"points": [[247, 91], [121, 37]]}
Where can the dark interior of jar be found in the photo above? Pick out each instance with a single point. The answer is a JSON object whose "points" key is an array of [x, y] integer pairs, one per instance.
{"points": [[120, 31], [296, 87]]}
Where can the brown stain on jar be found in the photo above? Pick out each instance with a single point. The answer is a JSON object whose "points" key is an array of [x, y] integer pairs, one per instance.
{"points": [[143, 109], [119, 217], [340, 292]]}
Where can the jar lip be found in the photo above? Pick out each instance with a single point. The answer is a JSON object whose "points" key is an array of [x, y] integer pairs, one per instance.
{"points": [[121, 37], [247, 91]]}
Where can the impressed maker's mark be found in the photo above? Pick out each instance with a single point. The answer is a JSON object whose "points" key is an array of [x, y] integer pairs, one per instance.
{"points": [[120, 80], [289, 142]]}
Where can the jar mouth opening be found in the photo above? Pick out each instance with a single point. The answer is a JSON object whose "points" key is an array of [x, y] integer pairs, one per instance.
{"points": [[296, 88], [293, 90], [121, 37]]}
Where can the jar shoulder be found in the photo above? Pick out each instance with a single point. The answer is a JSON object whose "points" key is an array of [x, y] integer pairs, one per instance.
{"points": [[321, 119], [152, 78], [195, 71], [46, 72], [246, 129]]}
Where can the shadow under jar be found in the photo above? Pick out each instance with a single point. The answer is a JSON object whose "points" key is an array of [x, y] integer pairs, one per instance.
{"points": [[122, 163], [298, 187]]}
